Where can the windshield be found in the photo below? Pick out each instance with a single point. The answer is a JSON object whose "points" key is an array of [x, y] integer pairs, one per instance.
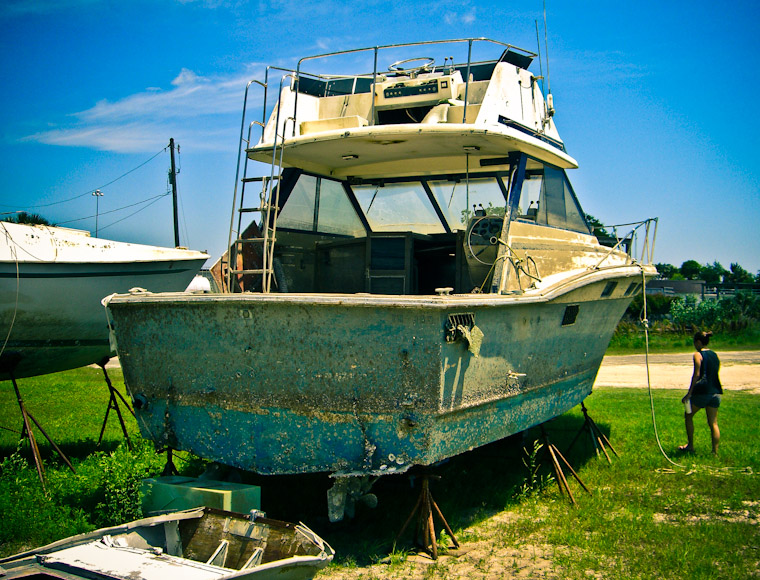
{"points": [[393, 207], [459, 199]]}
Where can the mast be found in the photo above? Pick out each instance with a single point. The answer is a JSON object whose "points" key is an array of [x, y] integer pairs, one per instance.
{"points": [[173, 181]]}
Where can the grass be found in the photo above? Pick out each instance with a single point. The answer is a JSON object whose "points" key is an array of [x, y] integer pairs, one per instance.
{"points": [[644, 517], [629, 339]]}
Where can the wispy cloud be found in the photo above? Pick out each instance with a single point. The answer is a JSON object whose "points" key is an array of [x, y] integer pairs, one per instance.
{"points": [[194, 105], [604, 68]]}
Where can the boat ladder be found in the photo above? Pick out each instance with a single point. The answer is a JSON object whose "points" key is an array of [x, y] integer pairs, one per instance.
{"points": [[252, 252]]}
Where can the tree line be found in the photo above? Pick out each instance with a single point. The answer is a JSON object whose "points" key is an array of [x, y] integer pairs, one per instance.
{"points": [[712, 274]]}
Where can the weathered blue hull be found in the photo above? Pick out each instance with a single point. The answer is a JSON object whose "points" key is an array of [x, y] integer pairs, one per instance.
{"points": [[292, 384]]}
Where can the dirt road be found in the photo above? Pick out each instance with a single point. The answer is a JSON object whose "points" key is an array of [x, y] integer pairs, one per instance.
{"points": [[738, 371]]}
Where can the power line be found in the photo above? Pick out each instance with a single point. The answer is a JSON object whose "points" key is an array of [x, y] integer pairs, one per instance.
{"points": [[153, 199], [156, 199], [94, 189]]}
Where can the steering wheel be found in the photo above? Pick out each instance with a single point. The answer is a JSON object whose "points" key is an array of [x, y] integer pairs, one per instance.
{"points": [[484, 231], [425, 66]]}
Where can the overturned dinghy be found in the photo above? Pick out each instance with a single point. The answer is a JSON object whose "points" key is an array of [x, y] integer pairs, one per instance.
{"points": [[422, 280], [197, 544]]}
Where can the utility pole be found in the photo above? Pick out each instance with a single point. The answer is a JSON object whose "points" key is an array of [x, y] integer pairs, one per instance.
{"points": [[173, 181]]}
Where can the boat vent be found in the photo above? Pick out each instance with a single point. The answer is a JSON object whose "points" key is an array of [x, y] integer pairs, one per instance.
{"points": [[456, 323]]}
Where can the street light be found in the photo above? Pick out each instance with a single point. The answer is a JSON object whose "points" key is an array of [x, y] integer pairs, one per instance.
{"points": [[98, 194]]}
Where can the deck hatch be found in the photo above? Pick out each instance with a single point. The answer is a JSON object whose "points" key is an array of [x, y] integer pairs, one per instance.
{"points": [[571, 313]]}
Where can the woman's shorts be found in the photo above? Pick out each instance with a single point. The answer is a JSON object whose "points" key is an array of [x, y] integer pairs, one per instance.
{"points": [[703, 401]]}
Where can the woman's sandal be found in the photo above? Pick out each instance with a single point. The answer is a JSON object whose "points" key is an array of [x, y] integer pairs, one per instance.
{"points": [[686, 449]]}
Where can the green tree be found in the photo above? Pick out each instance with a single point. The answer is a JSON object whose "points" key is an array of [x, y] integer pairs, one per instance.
{"points": [[666, 270], [597, 227], [22, 217], [691, 269], [738, 275], [713, 274]]}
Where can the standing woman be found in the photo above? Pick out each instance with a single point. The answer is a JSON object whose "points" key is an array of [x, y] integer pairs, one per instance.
{"points": [[704, 392]]}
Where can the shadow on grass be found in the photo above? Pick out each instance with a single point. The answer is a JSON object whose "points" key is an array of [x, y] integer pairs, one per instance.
{"points": [[468, 488], [74, 450]]}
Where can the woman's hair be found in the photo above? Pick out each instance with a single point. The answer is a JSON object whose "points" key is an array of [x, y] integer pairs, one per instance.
{"points": [[703, 337]]}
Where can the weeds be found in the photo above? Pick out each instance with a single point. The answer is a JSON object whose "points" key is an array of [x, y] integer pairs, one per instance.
{"points": [[534, 483]]}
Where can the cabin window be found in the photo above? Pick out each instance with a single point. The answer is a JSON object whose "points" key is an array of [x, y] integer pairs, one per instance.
{"points": [[394, 207], [320, 205], [457, 198], [336, 214], [547, 198], [571, 313], [609, 288]]}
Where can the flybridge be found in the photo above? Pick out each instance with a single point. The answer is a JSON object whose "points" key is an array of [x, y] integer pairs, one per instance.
{"points": [[454, 115]]}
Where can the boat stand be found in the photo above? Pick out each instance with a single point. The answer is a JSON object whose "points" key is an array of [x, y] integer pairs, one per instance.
{"points": [[425, 525], [113, 403], [554, 453], [28, 434], [169, 468], [598, 439]]}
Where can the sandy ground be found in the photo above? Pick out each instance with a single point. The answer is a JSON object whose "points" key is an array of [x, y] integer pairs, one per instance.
{"points": [[739, 371]]}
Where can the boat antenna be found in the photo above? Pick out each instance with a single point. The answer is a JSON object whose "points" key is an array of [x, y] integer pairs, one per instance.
{"points": [[549, 98], [540, 64]]}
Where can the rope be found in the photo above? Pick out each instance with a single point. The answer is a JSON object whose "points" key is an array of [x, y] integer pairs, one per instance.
{"points": [[645, 322]]}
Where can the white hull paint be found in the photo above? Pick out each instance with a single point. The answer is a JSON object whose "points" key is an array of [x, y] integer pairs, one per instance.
{"points": [[52, 281]]}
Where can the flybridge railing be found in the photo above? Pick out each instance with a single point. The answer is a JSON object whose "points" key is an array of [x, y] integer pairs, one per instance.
{"points": [[520, 53], [377, 49]]}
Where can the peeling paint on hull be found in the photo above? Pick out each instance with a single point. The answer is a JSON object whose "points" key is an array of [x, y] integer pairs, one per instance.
{"points": [[288, 386]]}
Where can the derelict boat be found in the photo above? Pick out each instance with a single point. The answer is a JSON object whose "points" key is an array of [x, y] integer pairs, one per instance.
{"points": [[196, 544], [423, 280], [52, 281]]}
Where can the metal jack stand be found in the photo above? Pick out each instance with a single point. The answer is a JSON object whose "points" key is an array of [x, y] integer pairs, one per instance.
{"points": [[169, 468], [424, 510], [598, 439], [561, 479], [113, 403], [27, 433]]}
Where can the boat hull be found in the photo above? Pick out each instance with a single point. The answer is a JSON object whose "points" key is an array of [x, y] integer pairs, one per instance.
{"points": [[283, 384], [52, 282], [59, 323]]}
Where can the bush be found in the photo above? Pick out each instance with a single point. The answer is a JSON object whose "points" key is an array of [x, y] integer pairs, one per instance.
{"points": [[23, 501], [122, 472], [730, 313], [658, 307]]}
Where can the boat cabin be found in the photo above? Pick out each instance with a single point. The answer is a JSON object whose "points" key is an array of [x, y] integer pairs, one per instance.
{"points": [[419, 179]]}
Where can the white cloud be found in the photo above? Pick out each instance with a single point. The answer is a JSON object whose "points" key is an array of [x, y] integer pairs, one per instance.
{"points": [[195, 106], [460, 16]]}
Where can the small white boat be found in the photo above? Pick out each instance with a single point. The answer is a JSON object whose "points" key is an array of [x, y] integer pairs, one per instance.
{"points": [[196, 544], [51, 283]]}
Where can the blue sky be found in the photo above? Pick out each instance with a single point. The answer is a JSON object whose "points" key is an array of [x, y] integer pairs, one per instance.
{"points": [[656, 100]]}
